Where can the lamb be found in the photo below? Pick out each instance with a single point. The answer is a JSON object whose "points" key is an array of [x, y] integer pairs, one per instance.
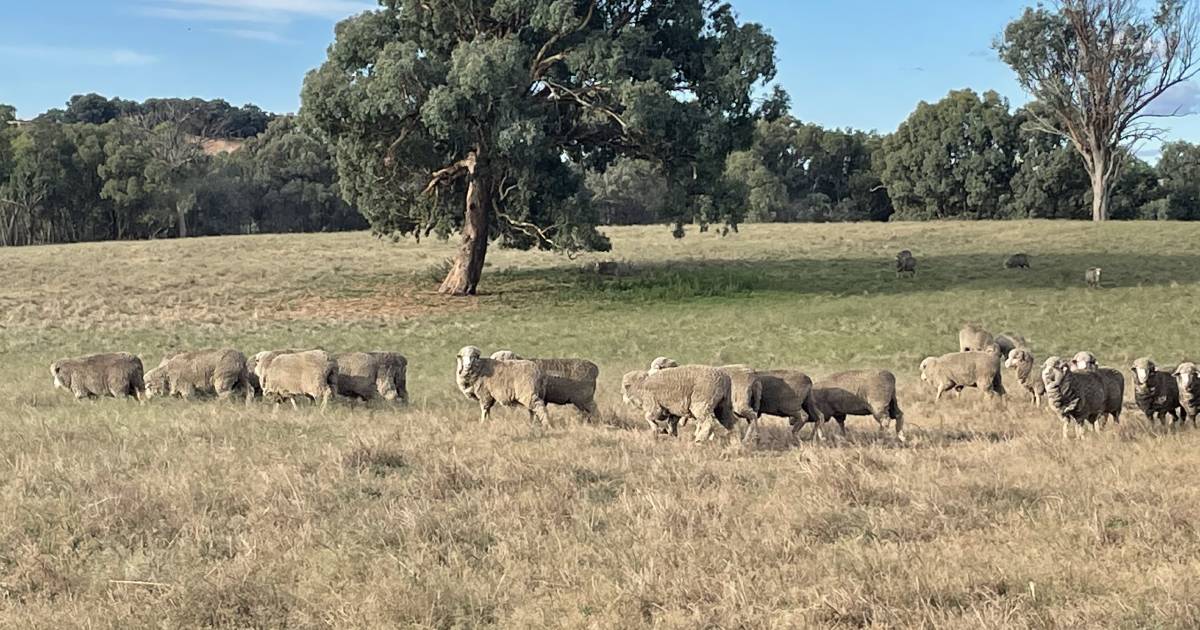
{"points": [[371, 375], [1187, 375], [858, 393], [568, 381], [510, 383], [695, 391], [906, 264], [1114, 384], [218, 373], [745, 391], [1076, 397], [1017, 261], [118, 375], [287, 376], [963, 369], [1156, 393], [973, 338], [1021, 360], [1092, 277]]}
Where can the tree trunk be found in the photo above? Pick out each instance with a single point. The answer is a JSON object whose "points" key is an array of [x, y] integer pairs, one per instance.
{"points": [[181, 218], [1100, 193], [463, 278]]}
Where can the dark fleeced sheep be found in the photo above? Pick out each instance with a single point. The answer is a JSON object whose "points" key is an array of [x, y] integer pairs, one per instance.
{"points": [[1156, 393]]}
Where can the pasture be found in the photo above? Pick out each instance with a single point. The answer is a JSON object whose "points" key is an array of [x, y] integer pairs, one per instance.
{"points": [[209, 514]]}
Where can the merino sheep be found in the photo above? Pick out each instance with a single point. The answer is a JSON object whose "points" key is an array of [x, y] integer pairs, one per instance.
{"points": [[1156, 393], [1075, 396], [1114, 384], [568, 381], [218, 373], [117, 374], [1017, 261], [1092, 277], [689, 391], [1187, 375], [1021, 360], [370, 375], [287, 376], [963, 369], [973, 338], [906, 264], [510, 383], [858, 393], [788, 394], [745, 391]]}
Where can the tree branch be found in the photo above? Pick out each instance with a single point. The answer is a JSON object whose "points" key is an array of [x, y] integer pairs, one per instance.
{"points": [[465, 166]]}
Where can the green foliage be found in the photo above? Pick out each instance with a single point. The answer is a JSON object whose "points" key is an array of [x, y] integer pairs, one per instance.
{"points": [[628, 192], [1179, 170]]}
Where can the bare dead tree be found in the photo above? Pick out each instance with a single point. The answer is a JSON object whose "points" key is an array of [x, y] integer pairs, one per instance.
{"points": [[177, 152], [1095, 67]]}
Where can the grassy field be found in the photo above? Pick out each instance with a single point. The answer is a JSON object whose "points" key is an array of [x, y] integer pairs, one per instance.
{"points": [[118, 515]]}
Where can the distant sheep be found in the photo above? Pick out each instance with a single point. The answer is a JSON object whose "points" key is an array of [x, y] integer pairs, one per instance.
{"points": [[219, 373], [1156, 393], [568, 381], [690, 391], [1077, 397], [906, 264], [859, 393], [973, 338], [1092, 277], [1017, 261], [372, 375], [1022, 362], [957, 370], [118, 375], [311, 374], [1187, 375], [509, 383]]}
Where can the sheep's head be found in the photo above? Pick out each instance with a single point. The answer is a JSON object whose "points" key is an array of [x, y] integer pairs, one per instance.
{"points": [[156, 383], [61, 380], [927, 365], [662, 363], [1083, 362], [1054, 370], [1017, 358], [505, 355], [631, 387], [1187, 374], [1142, 369]]}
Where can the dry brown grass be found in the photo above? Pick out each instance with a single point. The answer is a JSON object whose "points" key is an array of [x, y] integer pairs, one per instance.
{"points": [[221, 515]]}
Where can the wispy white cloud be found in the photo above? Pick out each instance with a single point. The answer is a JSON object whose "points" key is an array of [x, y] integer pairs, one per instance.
{"points": [[1181, 100], [79, 56], [270, 37]]}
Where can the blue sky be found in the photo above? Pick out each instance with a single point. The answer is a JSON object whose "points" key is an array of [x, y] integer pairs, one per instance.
{"points": [[847, 63]]}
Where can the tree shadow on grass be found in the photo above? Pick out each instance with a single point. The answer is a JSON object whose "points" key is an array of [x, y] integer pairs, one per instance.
{"points": [[682, 280]]}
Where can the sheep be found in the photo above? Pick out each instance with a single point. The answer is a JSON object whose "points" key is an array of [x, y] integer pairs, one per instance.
{"points": [[117, 374], [963, 369], [1021, 360], [370, 375], [1075, 396], [252, 367], [906, 264], [1114, 384], [1187, 375], [1017, 261], [745, 392], [568, 381], [695, 391], [1006, 343], [1092, 277], [218, 373], [973, 338], [1156, 393], [788, 394], [510, 383], [858, 393], [286, 376]]}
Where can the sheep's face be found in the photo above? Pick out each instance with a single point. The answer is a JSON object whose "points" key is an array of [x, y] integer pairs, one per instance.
{"points": [[156, 383], [1018, 358], [630, 386], [61, 380], [1142, 369], [1084, 362], [1186, 375], [662, 363], [466, 364], [1054, 371], [926, 365]]}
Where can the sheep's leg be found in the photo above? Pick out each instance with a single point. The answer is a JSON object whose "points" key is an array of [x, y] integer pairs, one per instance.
{"points": [[537, 412], [751, 435], [704, 427], [292, 400], [485, 410]]}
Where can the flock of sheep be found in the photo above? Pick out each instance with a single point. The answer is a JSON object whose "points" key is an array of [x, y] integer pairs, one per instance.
{"points": [[906, 265]]}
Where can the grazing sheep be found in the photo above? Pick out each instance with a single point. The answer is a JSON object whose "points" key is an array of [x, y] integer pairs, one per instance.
{"points": [[858, 393], [689, 391], [370, 375], [963, 369], [1156, 393], [906, 264], [217, 373], [745, 391], [1187, 375], [568, 381], [788, 394], [118, 375], [973, 338], [510, 383], [287, 376], [1017, 261], [1092, 277], [1007, 343], [1021, 360], [1076, 397], [1114, 384]]}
